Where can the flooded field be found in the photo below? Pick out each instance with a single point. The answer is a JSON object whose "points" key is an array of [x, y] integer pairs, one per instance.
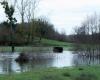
{"points": [[48, 59]]}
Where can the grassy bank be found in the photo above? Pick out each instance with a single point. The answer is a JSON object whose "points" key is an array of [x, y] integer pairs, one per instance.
{"points": [[24, 49], [29, 48], [48, 42], [45, 44], [79, 73]]}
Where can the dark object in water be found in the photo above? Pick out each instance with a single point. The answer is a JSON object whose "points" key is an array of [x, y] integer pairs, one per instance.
{"points": [[58, 49], [22, 58]]}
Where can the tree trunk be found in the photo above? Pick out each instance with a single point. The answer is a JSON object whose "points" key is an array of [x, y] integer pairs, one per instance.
{"points": [[12, 48]]}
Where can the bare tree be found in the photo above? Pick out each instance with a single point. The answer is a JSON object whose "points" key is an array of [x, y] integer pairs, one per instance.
{"points": [[22, 5], [30, 15], [91, 28], [26, 10]]}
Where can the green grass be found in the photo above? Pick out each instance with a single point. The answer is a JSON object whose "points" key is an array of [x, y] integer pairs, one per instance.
{"points": [[29, 49], [48, 42], [24, 49], [86, 73], [45, 45], [65, 45]]}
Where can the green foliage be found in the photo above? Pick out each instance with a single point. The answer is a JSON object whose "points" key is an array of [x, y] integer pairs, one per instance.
{"points": [[9, 11], [25, 35]]}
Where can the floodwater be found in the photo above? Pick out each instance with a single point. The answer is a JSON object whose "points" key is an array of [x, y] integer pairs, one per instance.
{"points": [[48, 59]]}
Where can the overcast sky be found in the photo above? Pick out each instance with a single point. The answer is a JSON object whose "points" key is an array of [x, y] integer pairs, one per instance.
{"points": [[65, 14]]}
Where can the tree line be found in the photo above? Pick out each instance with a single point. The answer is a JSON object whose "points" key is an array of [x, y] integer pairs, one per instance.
{"points": [[31, 32], [88, 32]]}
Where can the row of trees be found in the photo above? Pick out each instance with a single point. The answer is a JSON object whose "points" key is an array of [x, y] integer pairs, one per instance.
{"points": [[41, 29], [89, 31], [30, 28]]}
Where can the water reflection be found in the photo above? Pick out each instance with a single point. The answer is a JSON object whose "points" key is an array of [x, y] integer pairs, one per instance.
{"points": [[38, 62], [87, 57], [49, 59], [45, 60], [7, 65], [41, 60]]}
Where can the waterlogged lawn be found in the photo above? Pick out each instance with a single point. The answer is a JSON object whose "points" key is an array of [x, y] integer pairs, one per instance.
{"points": [[30, 48], [78, 73], [24, 49], [45, 44]]}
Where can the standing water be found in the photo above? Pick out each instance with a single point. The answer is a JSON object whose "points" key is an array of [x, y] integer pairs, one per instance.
{"points": [[48, 59]]}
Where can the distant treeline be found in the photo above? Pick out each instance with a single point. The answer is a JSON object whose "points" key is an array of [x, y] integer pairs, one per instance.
{"points": [[29, 32], [88, 32]]}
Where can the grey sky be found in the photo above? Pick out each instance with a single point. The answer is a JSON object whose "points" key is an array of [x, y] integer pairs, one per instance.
{"points": [[65, 14]]}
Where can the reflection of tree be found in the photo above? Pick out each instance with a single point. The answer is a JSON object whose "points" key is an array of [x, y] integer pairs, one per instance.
{"points": [[22, 67], [39, 60], [7, 65], [87, 57]]}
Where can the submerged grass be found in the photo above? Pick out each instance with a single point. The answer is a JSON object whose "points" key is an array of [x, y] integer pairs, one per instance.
{"points": [[88, 73], [24, 49], [45, 45]]}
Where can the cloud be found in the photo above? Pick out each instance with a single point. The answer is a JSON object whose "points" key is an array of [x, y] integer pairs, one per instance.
{"points": [[68, 4], [68, 13], [2, 14], [65, 14]]}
